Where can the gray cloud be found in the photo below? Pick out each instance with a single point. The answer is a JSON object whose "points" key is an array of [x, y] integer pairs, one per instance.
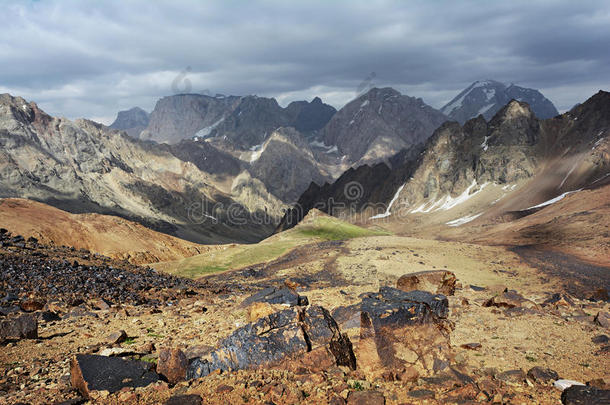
{"points": [[85, 59]]}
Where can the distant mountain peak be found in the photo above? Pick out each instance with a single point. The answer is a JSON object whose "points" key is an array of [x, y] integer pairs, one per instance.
{"points": [[132, 121], [487, 97]]}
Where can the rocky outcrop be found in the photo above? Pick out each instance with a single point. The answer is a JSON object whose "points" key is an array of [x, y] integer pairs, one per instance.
{"points": [[132, 121], [379, 124], [309, 337], [396, 332], [487, 97]]}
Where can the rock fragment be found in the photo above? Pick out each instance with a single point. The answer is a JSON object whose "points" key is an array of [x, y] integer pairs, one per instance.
{"points": [[172, 365], [433, 281]]}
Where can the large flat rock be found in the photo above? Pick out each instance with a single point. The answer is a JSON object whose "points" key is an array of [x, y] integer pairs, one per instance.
{"points": [[99, 373]]}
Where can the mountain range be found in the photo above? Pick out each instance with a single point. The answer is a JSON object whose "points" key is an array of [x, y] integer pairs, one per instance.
{"points": [[195, 160]]}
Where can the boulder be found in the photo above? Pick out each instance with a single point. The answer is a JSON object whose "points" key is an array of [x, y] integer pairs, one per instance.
{"points": [[98, 373], [393, 330], [433, 281], [19, 327], [540, 375], [286, 339], [585, 395], [272, 295], [509, 299], [172, 364]]}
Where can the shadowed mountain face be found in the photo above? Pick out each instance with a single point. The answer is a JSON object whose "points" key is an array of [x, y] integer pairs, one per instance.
{"points": [[488, 97], [567, 152], [132, 121], [379, 124]]}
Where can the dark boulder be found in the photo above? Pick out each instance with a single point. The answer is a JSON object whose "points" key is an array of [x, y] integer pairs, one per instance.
{"points": [[308, 336], [585, 395], [100, 373], [542, 375]]}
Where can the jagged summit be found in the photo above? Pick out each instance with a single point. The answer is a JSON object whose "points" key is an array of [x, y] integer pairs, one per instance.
{"points": [[487, 97]]}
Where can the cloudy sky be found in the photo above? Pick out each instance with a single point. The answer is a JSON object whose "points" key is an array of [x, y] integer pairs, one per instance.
{"points": [[92, 59]]}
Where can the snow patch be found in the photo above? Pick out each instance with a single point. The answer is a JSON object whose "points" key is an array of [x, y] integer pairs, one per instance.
{"points": [[552, 200], [364, 104], [448, 202], [490, 93], [333, 150], [387, 212], [463, 220], [484, 144], [205, 132], [568, 175]]}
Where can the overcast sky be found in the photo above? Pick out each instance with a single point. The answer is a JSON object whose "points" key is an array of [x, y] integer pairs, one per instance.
{"points": [[92, 59]]}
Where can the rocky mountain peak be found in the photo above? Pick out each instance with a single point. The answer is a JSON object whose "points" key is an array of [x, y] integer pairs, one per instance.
{"points": [[487, 97], [378, 124]]}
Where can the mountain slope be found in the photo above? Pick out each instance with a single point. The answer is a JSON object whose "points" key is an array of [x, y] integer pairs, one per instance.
{"points": [[82, 166], [483, 173], [489, 96], [107, 235], [379, 124]]}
